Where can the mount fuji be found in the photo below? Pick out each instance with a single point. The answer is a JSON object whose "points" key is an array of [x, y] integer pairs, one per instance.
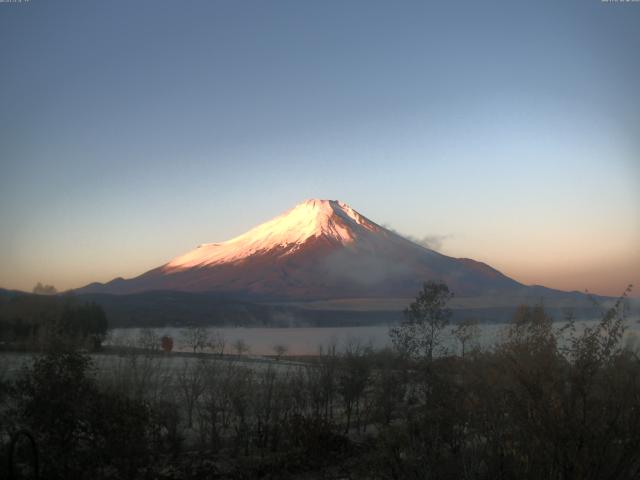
{"points": [[318, 250]]}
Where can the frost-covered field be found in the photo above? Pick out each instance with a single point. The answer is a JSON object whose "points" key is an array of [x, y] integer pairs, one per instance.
{"points": [[260, 343], [113, 366]]}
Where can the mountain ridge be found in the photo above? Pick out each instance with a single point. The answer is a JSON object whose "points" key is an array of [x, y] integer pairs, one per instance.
{"points": [[319, 249]]}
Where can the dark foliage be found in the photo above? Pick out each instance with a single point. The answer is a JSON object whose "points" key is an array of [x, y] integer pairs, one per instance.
{"points": [[37, 321], [544, 403], [81, 431]]}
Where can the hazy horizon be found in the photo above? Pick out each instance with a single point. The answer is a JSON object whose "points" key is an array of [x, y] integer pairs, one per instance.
{"points": [[507, 133]]}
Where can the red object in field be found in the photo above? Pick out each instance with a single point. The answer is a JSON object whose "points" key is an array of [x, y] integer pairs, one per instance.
{"points": [[167, 343]]}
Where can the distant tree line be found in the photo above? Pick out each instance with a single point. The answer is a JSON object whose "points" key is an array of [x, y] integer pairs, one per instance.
{"points": [[41, 289], [35, 321]]}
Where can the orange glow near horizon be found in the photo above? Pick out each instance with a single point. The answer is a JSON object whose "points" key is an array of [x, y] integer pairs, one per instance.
{"points": [[600, 269]]}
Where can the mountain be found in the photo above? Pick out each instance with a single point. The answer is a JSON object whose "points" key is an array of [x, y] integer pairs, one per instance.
{"points": [[320, 249]]}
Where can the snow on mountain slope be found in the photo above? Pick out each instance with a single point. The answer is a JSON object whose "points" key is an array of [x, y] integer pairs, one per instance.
{"points": [[320, 249], [330, 219]]}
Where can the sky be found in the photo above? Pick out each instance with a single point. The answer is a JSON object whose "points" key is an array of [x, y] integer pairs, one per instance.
{"points": [[507, 132]]}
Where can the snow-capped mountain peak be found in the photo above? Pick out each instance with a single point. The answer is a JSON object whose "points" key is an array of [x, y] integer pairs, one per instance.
{"points": [[332, 220], [317, 250]]}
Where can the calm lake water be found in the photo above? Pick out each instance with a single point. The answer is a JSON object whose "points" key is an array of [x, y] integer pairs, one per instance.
{"points": [[307, 341]]}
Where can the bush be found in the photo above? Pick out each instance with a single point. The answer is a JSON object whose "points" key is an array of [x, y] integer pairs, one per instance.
{"points": [[80, 429]]}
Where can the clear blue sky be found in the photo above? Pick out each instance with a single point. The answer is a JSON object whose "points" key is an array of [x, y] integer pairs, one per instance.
{"points": [[132, 131]]}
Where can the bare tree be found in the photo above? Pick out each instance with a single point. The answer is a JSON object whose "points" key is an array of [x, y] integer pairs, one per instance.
{"points": [[191, 383], [148, 339], [217, 343], [139, 376], [321, 381], [353, 378], [388, 392], [465, 332], [280, 350], [240, 346], [196, 338]]}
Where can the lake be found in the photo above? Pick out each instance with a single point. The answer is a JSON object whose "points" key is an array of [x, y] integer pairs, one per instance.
{"points": [[308, 340]]}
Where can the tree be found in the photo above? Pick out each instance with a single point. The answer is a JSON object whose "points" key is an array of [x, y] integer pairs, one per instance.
{"points": [[80, 429], [280, 350], [166, 342], [217, 342], [191, 383], [466, 331], [240, 346], [570, 396], [40, 320], [85, 323], [195, 338], [418, 334], [353, 377], [41, 289], [52, 397], [148, 339], [388, 393]]}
